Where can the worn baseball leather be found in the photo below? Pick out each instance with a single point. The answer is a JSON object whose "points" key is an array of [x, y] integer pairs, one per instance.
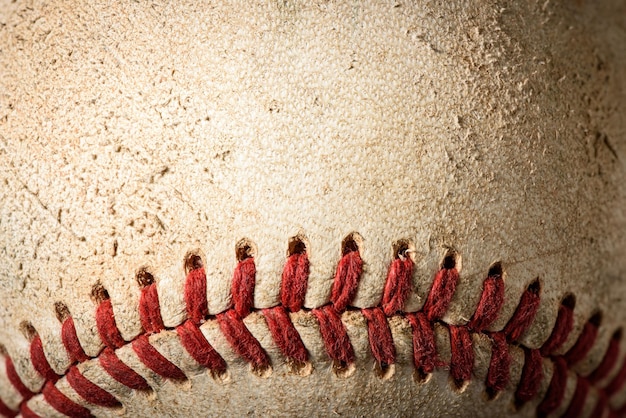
{"points": [[134, 135]]}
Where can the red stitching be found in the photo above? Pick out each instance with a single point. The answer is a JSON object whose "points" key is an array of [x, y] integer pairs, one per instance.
{"points": [[62, 403], [294, 281], [39, 360], [199, 348], [285, 335], [155, 361], [89, 391], [71, 342], [6, 411], [120, 371], [107, 328], [27, 412], [195, 295], [334, 335]]}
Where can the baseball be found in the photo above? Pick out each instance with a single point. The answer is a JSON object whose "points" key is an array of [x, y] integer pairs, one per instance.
{"points": [[312, 208]]}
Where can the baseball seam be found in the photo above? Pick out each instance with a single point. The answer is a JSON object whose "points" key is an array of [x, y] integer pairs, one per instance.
{"points": [[333, 334]]}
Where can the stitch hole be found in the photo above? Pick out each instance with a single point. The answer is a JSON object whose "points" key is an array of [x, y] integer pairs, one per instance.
{"points": [[28, 330], [61, 310], [353, 242], [193, 261], [535, 286], [342, 369], [262, 371], [144, 277], [420, 377], [245, 249], [495, 269], [98, 293], [460, 385], [300, 369], [491, 393], [297, 245], [596, 319], [3, 350], [404, 248], [385, 371], [569, 301], [451, 260]]}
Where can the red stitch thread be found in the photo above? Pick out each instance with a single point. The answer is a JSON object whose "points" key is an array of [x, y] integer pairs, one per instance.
{"points": [[556, 390], [71, 342], [89, 391], [195, 295], [294, 281], [27, 412], [491, 301], [579, 399], [15, 380], [379, 334], [525, 312], [150, 310], [532, 374], [334, 335], [424, 350], [244, 280], [39, 360], [62, 403], [241, 340], [6, 411], [199, 348], [617, 382], [155, 361], [462, 359], [585, 341], [285, 334], [107, 328], [499, 372], [441, 292], [120, 371], [346, 280], [562, 328], [398, 285], [602, 405], [609, 360]]}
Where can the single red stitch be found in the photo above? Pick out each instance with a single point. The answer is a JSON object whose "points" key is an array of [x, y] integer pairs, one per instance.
{"points": [[89, 391], [585, 341], [424, 350], [617, 383], [398, 285], [346, 280], [609, 360], [241, 340], [499, 371], [71, 343], [491, 301], [195, 295], [107, 328], [578, 400], [62, 403], [199, 348], [556, 390], [602, 405], [120, 371], [294, 281], [379, 334], [285, 334], [155, 361], [27, 412], [15, 380], [532, 375], [40, 363], [242, 289], [462, 358], [334, 335], [6, 411], [150, 310], [441, 292], [525, 312], [562, 328]]}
